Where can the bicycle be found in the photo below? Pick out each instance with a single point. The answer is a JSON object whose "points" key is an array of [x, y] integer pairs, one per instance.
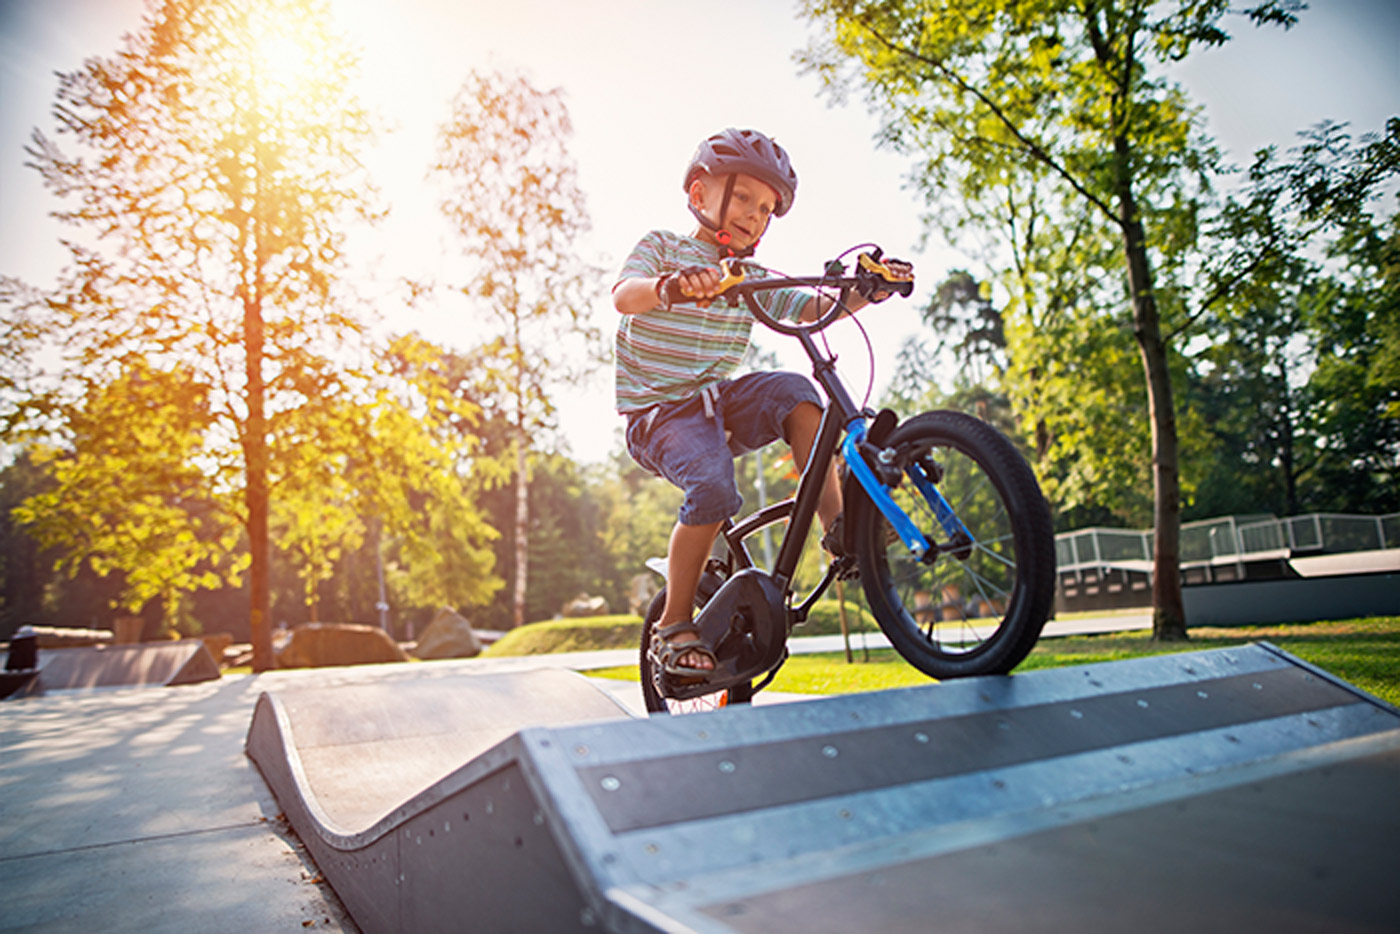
{"points": [[944, 523]]}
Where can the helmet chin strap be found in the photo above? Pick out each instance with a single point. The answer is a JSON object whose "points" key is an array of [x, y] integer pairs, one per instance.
{"points": [[722, 235]]}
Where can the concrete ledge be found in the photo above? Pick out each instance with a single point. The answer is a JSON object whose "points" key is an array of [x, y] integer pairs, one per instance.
{"points": [[1342, 596]]}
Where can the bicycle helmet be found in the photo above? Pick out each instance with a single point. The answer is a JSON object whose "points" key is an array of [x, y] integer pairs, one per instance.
{"points": [[748, 152]]}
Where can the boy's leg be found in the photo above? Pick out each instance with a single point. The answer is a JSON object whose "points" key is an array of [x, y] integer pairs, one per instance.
{"points": [[800, 428], [685, 562]]}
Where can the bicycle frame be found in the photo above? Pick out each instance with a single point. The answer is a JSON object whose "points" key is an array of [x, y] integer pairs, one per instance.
{"points": [[841, 416], [843, 427]]}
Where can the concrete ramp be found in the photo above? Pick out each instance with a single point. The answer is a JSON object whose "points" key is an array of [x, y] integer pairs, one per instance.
{"points": [[1228, 790], [186, 661]]}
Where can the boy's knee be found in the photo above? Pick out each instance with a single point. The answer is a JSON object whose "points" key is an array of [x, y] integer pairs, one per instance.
{"points": [[802, 421], [711, 495]]}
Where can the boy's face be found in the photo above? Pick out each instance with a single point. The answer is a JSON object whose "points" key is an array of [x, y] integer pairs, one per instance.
{"points": [[751, 205]]}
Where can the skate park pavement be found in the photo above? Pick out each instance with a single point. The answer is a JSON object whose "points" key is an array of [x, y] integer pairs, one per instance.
{"points": [[138, 809]]}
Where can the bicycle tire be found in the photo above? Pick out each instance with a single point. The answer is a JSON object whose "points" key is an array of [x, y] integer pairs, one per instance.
{"points": [[651, 696], [980, 614]]}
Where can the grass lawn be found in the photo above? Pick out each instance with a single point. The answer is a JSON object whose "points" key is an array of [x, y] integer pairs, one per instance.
{"points": [[1362, 652]]}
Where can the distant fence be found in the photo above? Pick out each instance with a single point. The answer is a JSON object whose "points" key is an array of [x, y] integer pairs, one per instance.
{"points": [[1232, 537], [1103, 568]]}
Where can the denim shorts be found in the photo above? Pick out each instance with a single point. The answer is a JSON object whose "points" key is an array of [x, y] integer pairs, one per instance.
{"points": [[687, 446]]}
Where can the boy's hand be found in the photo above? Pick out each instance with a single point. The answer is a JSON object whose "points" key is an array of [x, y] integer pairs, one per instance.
{"points": [[694, 282], [898, 274]]}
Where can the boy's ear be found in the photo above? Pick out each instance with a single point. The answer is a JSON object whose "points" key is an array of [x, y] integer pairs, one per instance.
{"points": [[696, 192]]}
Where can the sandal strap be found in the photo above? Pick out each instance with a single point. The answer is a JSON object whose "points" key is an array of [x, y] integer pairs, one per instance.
{"points": [[675, 629], [667, 655]]}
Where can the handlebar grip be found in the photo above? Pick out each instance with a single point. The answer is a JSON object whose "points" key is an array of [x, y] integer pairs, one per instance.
{"points": [[733, 275], [890, 280]]}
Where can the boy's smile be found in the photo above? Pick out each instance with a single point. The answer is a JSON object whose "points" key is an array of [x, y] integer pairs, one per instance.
{"points": [[751, 205]]}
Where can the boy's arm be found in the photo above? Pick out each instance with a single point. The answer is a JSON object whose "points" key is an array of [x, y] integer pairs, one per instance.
{"points": [[644, 293], [634, 296]]}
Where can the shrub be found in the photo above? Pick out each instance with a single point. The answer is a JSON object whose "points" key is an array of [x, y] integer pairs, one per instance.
{"points": [[825, 619], [583, 634]]}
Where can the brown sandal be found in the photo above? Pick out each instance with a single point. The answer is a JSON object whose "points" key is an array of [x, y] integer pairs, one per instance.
{"points": [[666, 655]]}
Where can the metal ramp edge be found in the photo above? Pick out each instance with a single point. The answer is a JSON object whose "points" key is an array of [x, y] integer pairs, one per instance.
{"points": [[1232, 789]]}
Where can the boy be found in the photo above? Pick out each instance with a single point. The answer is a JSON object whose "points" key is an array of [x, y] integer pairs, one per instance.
{"points": [[686, 418]]}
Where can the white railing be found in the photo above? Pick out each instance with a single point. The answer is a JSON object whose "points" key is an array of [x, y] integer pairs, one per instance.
{"points": [[1231, 538]]}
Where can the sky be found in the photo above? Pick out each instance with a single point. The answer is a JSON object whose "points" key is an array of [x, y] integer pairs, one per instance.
{"points": [[644, 81]]}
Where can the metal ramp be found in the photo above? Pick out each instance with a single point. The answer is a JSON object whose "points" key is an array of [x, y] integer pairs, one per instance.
{"points": [[142, 664], [1236, 789]]}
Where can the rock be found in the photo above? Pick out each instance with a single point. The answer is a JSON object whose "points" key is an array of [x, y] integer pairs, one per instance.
{"points": [[318, 645], [128, 629], [642, 591], [218, 644], [584, 605], [448, 636]]}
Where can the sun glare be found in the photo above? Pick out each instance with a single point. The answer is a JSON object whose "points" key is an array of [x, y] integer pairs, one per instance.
{"points": [[286, 49], [283, 64]]}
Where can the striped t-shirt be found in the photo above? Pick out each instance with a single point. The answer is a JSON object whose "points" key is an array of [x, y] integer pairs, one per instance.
{"points": [[665, 356]]}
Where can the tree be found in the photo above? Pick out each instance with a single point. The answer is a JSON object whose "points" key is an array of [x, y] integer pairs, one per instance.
{"points": [[128, 496], [992, 90], [513, 197], [216, 167], [1293, 376], [413, 472]]}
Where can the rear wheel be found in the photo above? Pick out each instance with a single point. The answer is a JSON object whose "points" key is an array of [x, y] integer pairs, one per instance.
{"points": [[651, 692], [979, 606]]}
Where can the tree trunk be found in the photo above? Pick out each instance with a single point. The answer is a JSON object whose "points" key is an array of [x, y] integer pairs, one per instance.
{"points": [[255, 432], [256, 496], [522, 540], [1169, 612]]}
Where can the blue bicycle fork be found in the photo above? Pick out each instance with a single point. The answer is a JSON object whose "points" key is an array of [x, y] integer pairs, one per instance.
{"points": [[879, 494]]}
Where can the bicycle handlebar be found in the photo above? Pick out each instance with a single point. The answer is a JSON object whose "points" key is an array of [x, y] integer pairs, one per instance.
{"points": [[871, 275]]}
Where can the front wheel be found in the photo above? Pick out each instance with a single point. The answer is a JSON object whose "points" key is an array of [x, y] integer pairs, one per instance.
{"points": [[979, 606], [655, 702]]}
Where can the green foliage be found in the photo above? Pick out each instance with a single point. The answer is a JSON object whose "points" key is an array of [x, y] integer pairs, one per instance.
{"points": [[128, 494], [1303, 411]]}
